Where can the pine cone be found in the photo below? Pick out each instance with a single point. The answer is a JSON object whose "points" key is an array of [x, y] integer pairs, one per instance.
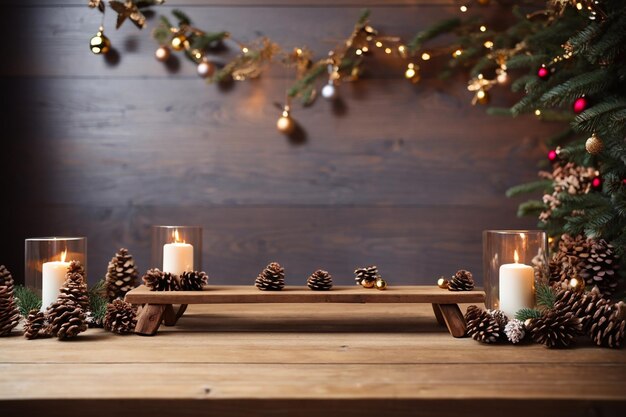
{"points": [[9, 313], [35, 325], [120, 317], [500, 317], [368, 273], [75, 267], [75, 289], [555, 329], [562, 268], [482, 326], [66, 319], [121, 275], [462, 280], [272, 278], [515, 331], [193, 280], [583, 306], [607, 328], [320, 281], [157, 280], [600, 264]]}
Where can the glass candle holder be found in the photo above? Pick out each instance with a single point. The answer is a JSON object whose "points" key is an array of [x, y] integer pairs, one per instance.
{"points": [[513, 262], [176, 249], [46, 261]]}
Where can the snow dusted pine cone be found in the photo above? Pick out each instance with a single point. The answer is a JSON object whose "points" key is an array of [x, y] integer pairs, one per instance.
{"points": [[9, 313], [555, 329], [74, 288], [366, 276], [462, 280], [35, 325], [121, 275], [515, 331], [320, 281], [272, 278], [482, 326], [193, 280], [66, 319], [157, 280], [120, 317]]}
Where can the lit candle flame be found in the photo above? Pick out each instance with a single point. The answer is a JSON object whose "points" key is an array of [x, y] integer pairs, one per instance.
{"points": [[63, 255], [176, 237], [516, 256]]}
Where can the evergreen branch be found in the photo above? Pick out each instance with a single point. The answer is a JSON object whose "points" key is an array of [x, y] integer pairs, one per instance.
{"points": [[437, 29], [530, 208], [97, 300], [183, 19], [590, 119], [531, 187], [528, 314], [587, 83], [499, 111], [207, 40], [26, 300], [545, 296]]}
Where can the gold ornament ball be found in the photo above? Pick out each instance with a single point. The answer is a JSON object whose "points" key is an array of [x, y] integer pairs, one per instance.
{"points": [[100, 44], [162, 53], [381, 284], [205, 68], [285, 123], [594, 145], [442, 283], [482, 97], [179, 42], [368, 284]]}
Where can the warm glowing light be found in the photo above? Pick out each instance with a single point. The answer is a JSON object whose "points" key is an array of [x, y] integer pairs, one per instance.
{"points": [[480, 94], [358, 52], [502, 77], [401, 48], [579, 6], [410, 71], [483, 28], [63, 255], [176, 237], [537, 112], [457, 53], [387, 50], [244, 50], [425, 56], [365, 49], [488, 44], [299, 51], [516, 256], [463, 8], [379, 44], [573, 283]]}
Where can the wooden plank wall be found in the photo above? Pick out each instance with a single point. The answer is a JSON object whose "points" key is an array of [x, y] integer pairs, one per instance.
{"points": [[402, 176]]}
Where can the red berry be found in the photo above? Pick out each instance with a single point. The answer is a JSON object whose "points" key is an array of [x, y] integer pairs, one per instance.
{"points": [[552, 155], [596, 182]]}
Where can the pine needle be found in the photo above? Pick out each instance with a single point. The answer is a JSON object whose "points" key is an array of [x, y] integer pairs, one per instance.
{"points": [[26, 300], [527, 313], [545, 296]]}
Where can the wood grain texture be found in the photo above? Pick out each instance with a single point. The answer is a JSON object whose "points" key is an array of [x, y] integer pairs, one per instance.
{"points": [[402, 176], [280, 358], [242, 294]]}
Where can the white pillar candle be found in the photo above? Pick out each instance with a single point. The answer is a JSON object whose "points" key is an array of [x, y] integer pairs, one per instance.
{"points": [[52, 277], [177, 256], [517, 287]]}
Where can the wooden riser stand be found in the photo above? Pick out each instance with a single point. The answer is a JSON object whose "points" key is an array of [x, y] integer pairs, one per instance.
{"points": [[159, 307]]}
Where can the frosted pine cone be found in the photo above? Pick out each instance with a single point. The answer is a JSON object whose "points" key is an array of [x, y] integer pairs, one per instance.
{"points": [[462, 280], [367, 275], [120, 317], [121, 276], [272, 278], [157, 280], [193, 280], [515, 331], [320, 281], [35, 325]]}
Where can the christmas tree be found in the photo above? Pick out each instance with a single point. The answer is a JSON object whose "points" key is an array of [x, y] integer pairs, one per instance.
{"points": [[568, 58]]}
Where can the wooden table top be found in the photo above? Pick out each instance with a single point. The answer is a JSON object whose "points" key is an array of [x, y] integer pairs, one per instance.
{"points": [[305, 360]]}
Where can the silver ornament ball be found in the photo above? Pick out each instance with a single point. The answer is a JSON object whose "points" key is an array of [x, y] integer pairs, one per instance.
{"points": [[205, 69], [329, 91]]}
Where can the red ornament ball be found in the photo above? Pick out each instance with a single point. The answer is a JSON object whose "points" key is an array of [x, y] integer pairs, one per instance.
{"points": [[580, 105], [543, 73], [596, 182], [552, 155]]}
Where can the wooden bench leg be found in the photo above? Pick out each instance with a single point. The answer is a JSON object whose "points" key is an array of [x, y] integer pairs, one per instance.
{"points": [[169, 315], [181, 311], [453, 318], [149, 320], [438, 315]]}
